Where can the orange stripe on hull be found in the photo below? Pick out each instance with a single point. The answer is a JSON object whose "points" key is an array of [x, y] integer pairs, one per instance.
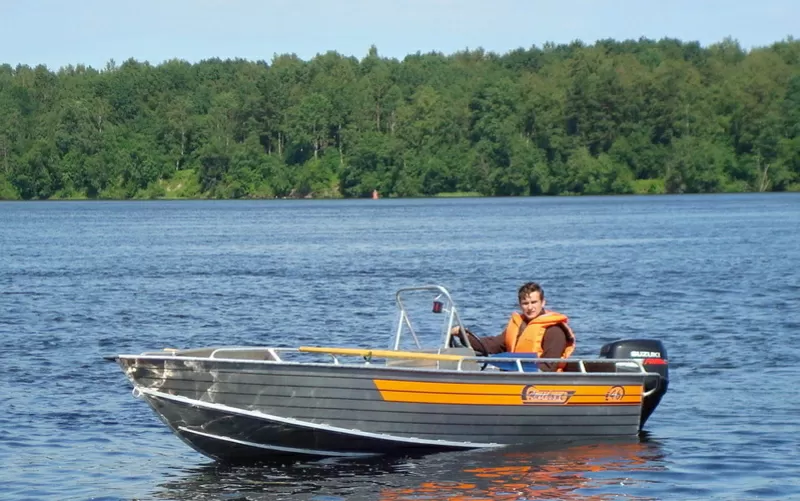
{"points": [[425, 392]]}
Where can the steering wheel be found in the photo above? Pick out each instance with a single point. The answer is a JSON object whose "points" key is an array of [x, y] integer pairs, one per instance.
{"points": [[459, 340]]}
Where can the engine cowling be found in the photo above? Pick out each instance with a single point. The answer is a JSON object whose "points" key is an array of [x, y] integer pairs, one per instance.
{"points": [[651, 352], [653, 356]]}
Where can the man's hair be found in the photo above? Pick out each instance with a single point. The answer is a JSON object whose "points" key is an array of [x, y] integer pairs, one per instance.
{"points": [[530, 288]]}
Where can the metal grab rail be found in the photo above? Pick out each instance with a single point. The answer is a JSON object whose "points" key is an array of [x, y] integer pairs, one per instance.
{"points": [[370, 354], [215, 353], [278, 355], [272, 352], [655, 388]]}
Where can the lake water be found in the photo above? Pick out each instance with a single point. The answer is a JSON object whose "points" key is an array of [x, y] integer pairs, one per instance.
{"points": [[716, 278]]}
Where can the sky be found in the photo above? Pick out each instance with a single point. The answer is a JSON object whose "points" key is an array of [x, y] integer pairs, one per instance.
{"points": [[57, 33]]}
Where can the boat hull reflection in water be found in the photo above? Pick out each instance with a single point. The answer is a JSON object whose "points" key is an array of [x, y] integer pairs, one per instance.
{"points": [[570, 473], [583, 471]]}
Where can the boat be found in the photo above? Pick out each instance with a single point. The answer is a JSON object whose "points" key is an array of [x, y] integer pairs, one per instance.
{"points": [[426, 391]]}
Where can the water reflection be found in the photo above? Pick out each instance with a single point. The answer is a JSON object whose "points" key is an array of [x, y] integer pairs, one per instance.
{"points": [[271, 481], [596, 471], [586, 472]]}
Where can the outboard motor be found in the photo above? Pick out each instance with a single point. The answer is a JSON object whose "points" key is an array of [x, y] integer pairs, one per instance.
{"points": [[653, 356]]}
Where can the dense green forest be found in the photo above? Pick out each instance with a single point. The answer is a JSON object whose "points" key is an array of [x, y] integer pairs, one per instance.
{"points": [[640, 116]]}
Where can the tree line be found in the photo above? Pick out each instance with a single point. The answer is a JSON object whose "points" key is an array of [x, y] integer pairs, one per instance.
{"points": [[614, 117]]}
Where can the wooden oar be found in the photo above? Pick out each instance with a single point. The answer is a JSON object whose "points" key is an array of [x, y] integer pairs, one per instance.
{"points": [[380, 353]]}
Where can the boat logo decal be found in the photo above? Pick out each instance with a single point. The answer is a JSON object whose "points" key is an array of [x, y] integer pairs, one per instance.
{"points": [[532, 396], [645, 354], [615, 394]]}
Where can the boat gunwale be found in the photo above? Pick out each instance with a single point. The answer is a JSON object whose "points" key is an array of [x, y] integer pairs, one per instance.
{"points": [[368, 365]]}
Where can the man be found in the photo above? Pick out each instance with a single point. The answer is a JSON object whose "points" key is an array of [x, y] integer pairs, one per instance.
{"points": [[535, 330]]}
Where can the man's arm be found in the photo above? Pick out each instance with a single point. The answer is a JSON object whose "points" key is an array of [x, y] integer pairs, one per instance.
{"points": [[489, 345], [553, 344]]}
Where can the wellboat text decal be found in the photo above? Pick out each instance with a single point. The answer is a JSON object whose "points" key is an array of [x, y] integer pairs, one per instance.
{"points": [[532, 396]]}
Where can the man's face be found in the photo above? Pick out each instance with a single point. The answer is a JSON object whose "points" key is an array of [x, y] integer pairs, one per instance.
{"points": [[532, 305]]}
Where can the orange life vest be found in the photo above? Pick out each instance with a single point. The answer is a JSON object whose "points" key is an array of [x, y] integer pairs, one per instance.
{"points": [[530, 340]]}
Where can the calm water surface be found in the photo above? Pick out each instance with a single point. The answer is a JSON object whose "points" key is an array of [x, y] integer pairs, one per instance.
{"points": [[715, 277]]}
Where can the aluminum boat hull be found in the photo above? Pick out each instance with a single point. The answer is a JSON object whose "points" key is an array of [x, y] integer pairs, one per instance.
{"points": [[259, 409]]}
